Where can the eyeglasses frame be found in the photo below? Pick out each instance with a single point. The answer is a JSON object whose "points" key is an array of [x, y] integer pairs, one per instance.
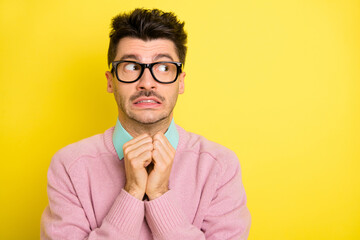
{"points": [[149, 66]]}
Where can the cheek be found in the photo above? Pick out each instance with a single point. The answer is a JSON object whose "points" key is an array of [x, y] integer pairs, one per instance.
{"points": [[120, 95], [122, 90], [173, 94]]}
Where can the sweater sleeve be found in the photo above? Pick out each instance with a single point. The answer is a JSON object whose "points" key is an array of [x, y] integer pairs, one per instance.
{"points": [[167, 220], [65, 218], [227, 216]]}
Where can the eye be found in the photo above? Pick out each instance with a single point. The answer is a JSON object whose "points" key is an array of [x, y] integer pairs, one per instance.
{"points": [[131, 67], [163, 68]]}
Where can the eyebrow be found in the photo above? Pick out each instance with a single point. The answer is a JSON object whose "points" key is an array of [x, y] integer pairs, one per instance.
{"points": [[137, 58], [129, 56], [163, 56]]}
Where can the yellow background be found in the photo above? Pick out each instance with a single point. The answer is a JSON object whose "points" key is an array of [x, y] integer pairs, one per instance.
{"points": [[275, 81]]}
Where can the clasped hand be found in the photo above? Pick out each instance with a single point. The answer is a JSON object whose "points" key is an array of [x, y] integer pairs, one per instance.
{"points": [[148, 163]]}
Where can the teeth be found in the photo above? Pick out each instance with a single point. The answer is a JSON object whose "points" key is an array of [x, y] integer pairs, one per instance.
{"points": [[147, 101]]}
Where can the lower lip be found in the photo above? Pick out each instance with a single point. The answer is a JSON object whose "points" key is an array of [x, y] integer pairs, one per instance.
{"points": [[147, 105]]}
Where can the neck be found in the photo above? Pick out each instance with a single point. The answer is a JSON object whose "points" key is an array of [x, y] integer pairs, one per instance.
{"points": [[135, 128]]}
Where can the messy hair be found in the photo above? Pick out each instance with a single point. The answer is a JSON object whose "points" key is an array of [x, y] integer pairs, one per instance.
{"points": [[148, 24]]}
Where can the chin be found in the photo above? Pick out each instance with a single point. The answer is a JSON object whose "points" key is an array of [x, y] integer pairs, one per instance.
{"points": [[143, 119]]}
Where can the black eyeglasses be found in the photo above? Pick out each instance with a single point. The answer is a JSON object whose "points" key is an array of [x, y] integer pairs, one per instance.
{"points": [[131, 71]]}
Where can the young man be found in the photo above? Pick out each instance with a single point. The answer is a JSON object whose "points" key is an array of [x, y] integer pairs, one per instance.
{"points": [[145, 178]]}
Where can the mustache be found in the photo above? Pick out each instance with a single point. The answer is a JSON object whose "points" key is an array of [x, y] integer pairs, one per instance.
{"points": [[146, 94]]}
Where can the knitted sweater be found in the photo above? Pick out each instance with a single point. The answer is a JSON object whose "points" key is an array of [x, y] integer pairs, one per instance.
{"points": [[206, 199]]}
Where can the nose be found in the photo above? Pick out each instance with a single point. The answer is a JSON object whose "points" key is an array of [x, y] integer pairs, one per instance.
{"points": [[146, 82]]}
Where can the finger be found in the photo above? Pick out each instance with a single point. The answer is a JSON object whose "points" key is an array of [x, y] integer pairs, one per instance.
{"points": [[131, 145], [162, 162], [161, 155], [137, 139], [145, 158], [149, 161], [137, 151], [165, 143], [157, 158], [141, 160]]}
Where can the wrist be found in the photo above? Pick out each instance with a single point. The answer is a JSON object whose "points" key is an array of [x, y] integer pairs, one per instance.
{"points": [[136, 193], [157, 194]]}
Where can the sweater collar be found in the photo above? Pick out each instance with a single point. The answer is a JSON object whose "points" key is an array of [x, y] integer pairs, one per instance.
{"points": [[121, 136]]}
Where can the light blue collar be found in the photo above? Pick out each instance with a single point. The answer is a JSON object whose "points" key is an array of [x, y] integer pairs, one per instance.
{"points": [[121, 136]]}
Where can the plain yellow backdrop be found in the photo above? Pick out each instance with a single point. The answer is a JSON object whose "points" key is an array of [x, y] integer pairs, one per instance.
{"points": [[276, 81]]}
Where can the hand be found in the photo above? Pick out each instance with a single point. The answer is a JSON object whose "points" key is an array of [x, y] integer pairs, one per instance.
{"points": [[137, 156], [162, 157]]}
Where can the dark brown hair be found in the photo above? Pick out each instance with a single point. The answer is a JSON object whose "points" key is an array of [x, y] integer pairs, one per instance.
{"points": [[147, 24]]}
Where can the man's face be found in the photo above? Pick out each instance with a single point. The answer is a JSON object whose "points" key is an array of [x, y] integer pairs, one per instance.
{"points": [[145, 101]]}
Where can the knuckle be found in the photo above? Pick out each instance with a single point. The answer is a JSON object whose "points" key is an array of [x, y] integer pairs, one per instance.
{"points": [[126, 144], [145, 156], [156, 136], [130, 155], [133, 164], [155, 153], [149, 146]]}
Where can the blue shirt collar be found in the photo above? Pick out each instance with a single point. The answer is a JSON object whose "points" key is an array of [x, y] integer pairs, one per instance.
{"points": [[121, 136]]}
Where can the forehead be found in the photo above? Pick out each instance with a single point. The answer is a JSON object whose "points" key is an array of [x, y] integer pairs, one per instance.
{"points": [[145, 50]]}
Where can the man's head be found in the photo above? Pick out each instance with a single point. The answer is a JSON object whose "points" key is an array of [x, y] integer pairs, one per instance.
{"points": [[145, 90], [148, 24]]}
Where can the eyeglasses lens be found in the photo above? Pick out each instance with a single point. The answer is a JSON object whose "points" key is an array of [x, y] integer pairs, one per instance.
{"points": [[163, 72]]}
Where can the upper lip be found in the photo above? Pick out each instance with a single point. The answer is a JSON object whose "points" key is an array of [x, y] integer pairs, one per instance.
{"points": [[146, 98]]}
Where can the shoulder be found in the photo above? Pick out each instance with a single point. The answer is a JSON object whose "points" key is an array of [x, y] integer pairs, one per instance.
{"points": [[90, 147], [203, 147]]}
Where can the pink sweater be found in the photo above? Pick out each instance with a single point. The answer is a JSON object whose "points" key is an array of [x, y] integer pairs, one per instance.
{"points": [[206, 199]]}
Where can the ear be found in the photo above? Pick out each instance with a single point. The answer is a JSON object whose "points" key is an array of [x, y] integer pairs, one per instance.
{"points": [[181, 82], [110, 84]]}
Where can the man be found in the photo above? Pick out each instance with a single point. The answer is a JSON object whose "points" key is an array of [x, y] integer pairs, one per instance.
{"points": [[145, 178]]}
